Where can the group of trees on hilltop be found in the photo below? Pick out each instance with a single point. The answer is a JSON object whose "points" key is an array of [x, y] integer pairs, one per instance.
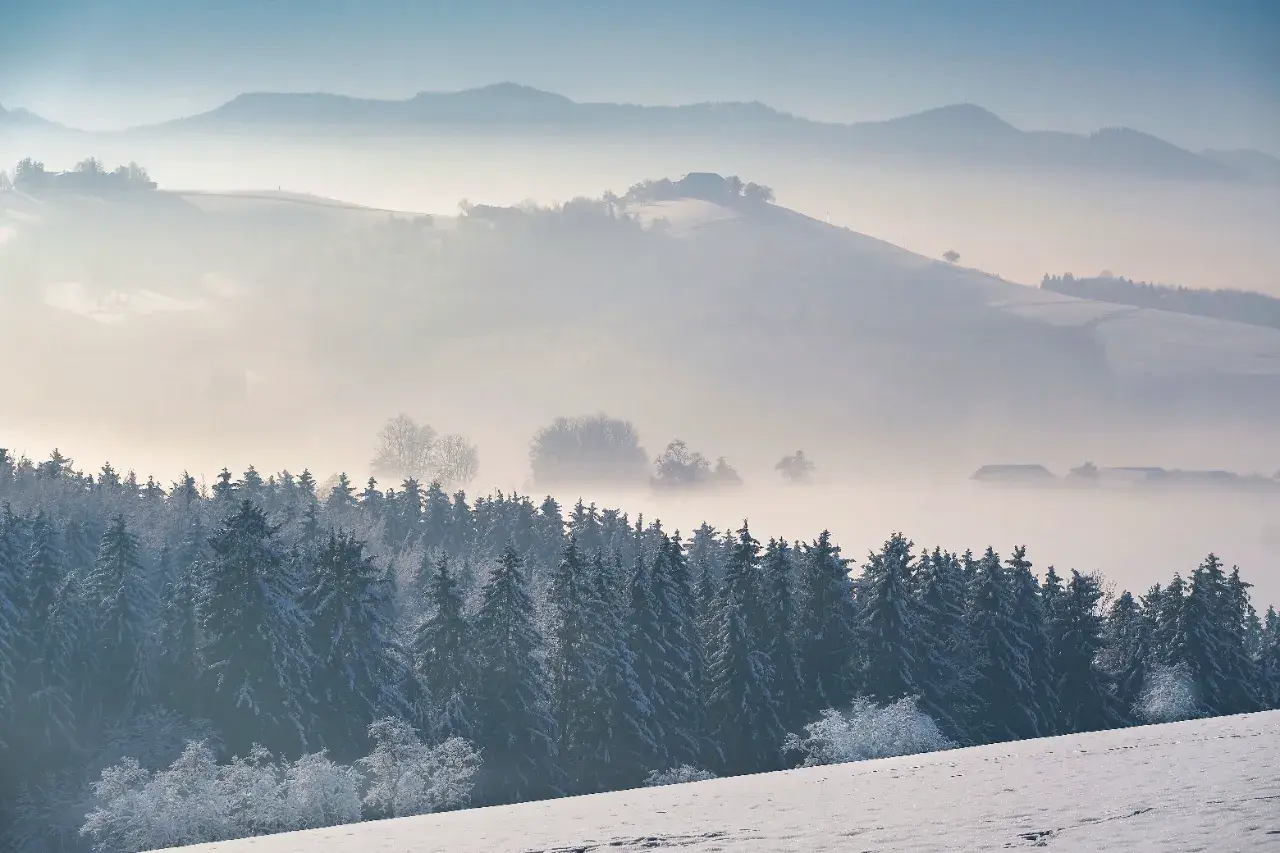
{"points": [[1239, 306], [263, 656], [706, 186], [89, 175]]}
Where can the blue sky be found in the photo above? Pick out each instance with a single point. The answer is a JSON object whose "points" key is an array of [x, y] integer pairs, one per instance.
{"points": [[1202, 73]]}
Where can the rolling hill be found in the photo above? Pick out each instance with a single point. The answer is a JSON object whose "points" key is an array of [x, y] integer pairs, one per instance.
{"points": [[1203, 785], [727, 320]]}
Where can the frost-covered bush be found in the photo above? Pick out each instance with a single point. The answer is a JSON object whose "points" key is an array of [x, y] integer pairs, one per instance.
{"points": [[1168, 695], [197, 800], [677, 776], [407, 777], [866, 731], [318, 792]]}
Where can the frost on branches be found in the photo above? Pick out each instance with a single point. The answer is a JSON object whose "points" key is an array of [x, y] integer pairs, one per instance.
{"points": [[407, 777], [868, 731], [1168, 695], [197, 800], [678, 776]]}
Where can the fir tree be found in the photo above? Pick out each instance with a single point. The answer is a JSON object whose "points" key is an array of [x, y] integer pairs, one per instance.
{"points": [[1212, 643], [121, 598], [626, 747], [681, 665], [516, 732], [944, 649], [887, 624], [578, 699], [647, 651], [828, 626], [252, 635], [743, 714], [1085, 698], [443, 653], [357, 661], [778, 640], [178, 657], [1031, 621], [343, 496], [1126, 652], [1269, 659], [1004, 691]]}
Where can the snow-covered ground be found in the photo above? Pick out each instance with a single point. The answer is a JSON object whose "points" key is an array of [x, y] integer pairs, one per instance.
{"points": [[1203, 785]]}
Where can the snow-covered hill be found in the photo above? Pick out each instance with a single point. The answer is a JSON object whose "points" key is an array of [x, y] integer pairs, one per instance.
{"points": [[1203, 785]]}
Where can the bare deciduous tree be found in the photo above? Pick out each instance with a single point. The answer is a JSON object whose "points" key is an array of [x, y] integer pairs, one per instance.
{"points": [[404, 449]]}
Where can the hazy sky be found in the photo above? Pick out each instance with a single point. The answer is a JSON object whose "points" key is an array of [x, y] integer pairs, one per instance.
{"points": [[1198, 73]]}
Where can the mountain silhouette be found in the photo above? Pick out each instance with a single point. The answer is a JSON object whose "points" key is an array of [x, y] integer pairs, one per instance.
{"points": [[958, 134]]}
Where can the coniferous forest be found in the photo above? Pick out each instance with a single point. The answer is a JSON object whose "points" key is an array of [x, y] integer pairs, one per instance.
{"points": [[379, 651]]}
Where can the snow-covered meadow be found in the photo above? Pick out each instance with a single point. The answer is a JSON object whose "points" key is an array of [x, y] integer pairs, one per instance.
{"points": [[1202, 785]]}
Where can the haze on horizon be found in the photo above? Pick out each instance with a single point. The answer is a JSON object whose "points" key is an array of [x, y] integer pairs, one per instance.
{"points": [[1201, 74], [235, 298]]}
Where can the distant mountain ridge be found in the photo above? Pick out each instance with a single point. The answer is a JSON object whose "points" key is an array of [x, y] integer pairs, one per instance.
{"points": [[960, 133], [24, 118]]}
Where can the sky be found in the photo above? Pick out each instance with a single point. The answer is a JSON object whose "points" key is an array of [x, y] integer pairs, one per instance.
{"points": [[1201, 73]]}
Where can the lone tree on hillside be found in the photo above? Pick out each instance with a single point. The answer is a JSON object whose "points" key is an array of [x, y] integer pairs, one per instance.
{"points": [[5, 183], [592, 448], [951, 256]]}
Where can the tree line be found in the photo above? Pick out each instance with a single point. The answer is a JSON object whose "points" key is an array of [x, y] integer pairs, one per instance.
{"points": [[1238, 306], [561, 650], [89, 175]]}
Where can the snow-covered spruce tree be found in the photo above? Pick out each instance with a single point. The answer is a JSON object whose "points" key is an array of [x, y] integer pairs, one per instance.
{"points": [[1006, 706], [779, 631], [647, 650], [681, 668], [945, 650], [887, 624], [124, 610], [11, 583], [45, 723], [1086, 697], [1126, 652], [253, 636], [742, 711], [1211, 644], [828, 632], [358, 664], [406, 777], [627, 744], [575, 668], [1031, 624], [515, 732], [444, 655], [1269, 659]]}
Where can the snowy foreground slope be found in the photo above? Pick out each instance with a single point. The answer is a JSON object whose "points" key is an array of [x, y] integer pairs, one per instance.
{"points": [[1203, 785]]}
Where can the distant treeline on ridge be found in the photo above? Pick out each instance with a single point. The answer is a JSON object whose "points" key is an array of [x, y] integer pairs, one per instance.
{"points": [[1239, 306]]}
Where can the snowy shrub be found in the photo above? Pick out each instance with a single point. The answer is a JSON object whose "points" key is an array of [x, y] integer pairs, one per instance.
{"points": [[407, 777], [143, 810], [678, 776], [868, 731], [1168, 695], [318, 792]]}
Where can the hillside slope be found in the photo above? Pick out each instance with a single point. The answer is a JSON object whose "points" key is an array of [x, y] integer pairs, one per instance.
{"points": [[1203, 785], [694, 327]]}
